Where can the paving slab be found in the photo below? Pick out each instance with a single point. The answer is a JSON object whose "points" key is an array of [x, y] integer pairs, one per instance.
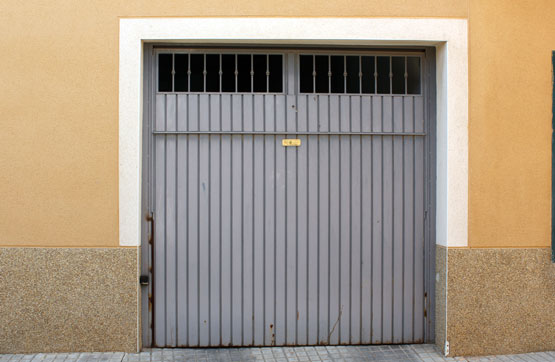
{"points": [[389, 353]]}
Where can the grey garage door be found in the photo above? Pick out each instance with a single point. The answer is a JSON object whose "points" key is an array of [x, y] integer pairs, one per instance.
{"points": [[261, 242]]}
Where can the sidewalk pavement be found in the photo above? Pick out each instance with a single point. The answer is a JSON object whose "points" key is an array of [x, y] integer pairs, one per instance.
{"points": [[385, 353]]}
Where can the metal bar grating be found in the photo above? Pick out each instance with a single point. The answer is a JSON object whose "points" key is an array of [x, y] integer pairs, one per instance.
{"points": [[360, 74], [220, 73]]}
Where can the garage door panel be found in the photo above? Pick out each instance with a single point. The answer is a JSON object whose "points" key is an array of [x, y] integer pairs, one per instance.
{"points": [[419, 125], [334, 114], [398, 236], [280, 114], [215, 250], [280, 241], [312, 115], [269, 119], [214, 224], [419, 192], [291, 242], [225, 112], [387, 231], [324, 210], [398, 114], [193, 119], [182, 237], [366, 114], [261, 244], [225, 239], [205, 227], [367, 252], [356, 237], [408, 114], [302, 242], [408, 237], [345, 113], [181, 107], [335, 308], [248, 239], [323, 113], [269, 240], [387, 114], [247, 109], [171, 223], [345, 240], [236, 112], [236, 216], [313, 248], [302, 113], [193, 234], [214, 113], [159, 230], [376, 114], [377, 233]]}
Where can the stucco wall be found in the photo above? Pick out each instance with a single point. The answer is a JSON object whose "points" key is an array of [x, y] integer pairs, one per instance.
{"points": [[499, 300], [59, 102], [68, 300], [510, 122]]}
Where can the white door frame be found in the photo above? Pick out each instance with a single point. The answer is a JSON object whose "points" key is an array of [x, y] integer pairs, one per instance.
{"points": [[449, 36]]}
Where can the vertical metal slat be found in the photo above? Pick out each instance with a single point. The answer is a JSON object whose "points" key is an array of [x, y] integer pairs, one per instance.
{"points": [[204, 232], [170, 222], [159, 311]]}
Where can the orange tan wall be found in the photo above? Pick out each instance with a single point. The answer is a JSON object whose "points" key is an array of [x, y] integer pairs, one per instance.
{"points": [[59, 110], [510, 122], [59, 104]]}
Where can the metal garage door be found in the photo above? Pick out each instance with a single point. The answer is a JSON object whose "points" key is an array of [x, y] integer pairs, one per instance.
{"points": [[261, 243]]}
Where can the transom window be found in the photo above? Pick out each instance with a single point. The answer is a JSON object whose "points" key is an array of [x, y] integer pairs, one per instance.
{"points": [[360, 74], [230, 73]]}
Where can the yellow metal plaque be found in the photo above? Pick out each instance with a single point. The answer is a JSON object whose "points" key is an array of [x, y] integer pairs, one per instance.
{"points": [[290, 142]]}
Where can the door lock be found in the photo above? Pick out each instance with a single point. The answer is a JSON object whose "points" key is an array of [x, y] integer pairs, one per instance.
{"points": [[143, 280]]}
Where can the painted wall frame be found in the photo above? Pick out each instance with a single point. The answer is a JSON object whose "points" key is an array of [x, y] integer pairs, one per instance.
{"points": [[448, 36]]}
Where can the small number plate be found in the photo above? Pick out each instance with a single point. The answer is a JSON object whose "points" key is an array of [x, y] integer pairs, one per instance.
{"points": [[290, 142]]}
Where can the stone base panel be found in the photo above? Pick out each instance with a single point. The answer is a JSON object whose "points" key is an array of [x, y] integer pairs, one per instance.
{"points": [[499, 301], [85, 299], [68, 300]]}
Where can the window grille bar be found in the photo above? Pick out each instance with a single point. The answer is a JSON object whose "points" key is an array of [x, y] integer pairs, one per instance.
{"points": [[360, 75], [236, 73], [406, 77], [376, 75], [329, 74], [390, 75], [344, 74], [421, 69], [220, 72], [350, 82], [204, 74], [173, 72], [314, 74], [189, 72], [252, 73]]}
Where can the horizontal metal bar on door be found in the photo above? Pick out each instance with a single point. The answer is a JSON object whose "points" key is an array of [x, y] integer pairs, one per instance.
{"points": [[294, 50], [279, 133]]}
